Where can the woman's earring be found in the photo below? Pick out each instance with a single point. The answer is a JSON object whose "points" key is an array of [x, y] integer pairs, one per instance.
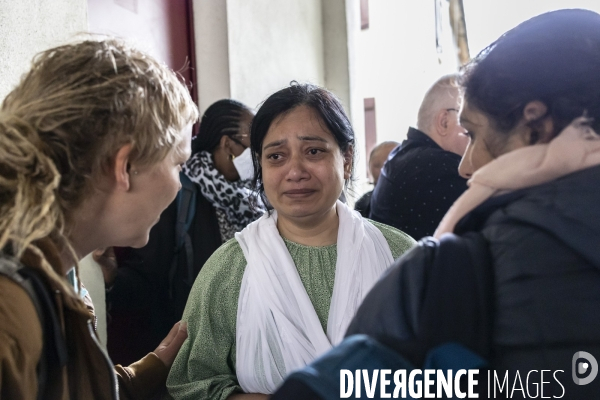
{"points": [[232, 157]]}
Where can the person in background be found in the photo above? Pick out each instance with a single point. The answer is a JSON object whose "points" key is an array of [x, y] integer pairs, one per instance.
{"points": [[92, 141], [283, 291], [377, 158], [420, 180], [148, 287], [532, 114], [222, 165]]}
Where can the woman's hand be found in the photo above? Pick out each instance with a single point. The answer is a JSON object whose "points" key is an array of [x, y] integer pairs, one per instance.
{"points": [[108, 263], [168, 348]]}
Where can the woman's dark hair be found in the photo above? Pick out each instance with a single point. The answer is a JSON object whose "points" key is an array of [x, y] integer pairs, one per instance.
{"points": [[280, 103], [553, 58], [221, 118]]}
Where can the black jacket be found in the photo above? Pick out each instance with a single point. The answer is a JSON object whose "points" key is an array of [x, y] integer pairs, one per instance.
{"points": [[363, 205], [418, 184], [544, 244], [143, 304]]}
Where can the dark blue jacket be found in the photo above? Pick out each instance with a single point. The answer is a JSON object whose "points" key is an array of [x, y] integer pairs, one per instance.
{"points": [[418, 184]]}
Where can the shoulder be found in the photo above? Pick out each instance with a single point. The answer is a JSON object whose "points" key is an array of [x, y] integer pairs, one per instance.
{"points": [[436, 157], [392, 234], [363, 204], [398, 241], [222, 273], [424, 161], [402, 284], [21, 328], [364, 199], [17, 308], [228, 255], [437, 168]]}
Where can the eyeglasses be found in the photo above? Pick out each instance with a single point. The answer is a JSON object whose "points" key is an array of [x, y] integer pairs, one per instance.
{"points": [[236, 140]]}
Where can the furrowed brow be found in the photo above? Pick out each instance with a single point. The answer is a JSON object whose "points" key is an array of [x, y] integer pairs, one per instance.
{"points": [[312, 138], [275, 144]]}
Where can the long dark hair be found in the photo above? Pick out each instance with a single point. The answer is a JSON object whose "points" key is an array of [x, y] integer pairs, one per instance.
{"points": [[553, 58], [325, 103], [220, 119]]}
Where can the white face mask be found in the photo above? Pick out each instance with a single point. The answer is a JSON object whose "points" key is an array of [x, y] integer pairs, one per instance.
{"points": [[243, 165]]}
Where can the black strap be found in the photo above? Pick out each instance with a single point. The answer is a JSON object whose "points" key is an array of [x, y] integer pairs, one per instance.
{"points": [[189, 257], [54, 355], [183, 211], [186, 203]]}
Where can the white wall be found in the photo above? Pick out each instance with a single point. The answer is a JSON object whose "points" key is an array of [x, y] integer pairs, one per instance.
{"points": [[30, 26], [212, 51], [114, 19], [487, 20], [248, 50], [337, 49], [341, 25], [398, 61], [93, 280], [272, 43]]}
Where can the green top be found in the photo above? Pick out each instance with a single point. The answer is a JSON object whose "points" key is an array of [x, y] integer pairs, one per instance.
{"points": [[205, 365]]}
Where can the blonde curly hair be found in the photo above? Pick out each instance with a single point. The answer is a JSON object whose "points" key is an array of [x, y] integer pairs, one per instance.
{"points": [[64, 123]]}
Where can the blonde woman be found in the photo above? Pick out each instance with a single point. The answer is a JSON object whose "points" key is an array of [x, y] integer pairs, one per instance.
{"points": [[91, 145]]}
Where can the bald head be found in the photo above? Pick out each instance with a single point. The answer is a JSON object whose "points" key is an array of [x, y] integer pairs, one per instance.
{"points": [[378, 156], [438, 115]]}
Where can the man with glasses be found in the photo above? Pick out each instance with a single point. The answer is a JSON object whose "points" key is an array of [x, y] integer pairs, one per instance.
{"points": [[420, 180]]}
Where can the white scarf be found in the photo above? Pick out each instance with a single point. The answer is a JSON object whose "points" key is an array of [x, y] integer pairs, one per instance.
{"points": [[278, 329]]}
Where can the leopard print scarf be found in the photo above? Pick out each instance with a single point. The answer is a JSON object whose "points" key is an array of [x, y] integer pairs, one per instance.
{"points": [[232, 200]]}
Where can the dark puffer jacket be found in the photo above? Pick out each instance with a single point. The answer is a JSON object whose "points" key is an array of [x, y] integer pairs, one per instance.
{"points": [[544, 244]]}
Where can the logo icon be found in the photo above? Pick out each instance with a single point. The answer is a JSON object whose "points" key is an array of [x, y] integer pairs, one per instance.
{"points": [[580, 367]]}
